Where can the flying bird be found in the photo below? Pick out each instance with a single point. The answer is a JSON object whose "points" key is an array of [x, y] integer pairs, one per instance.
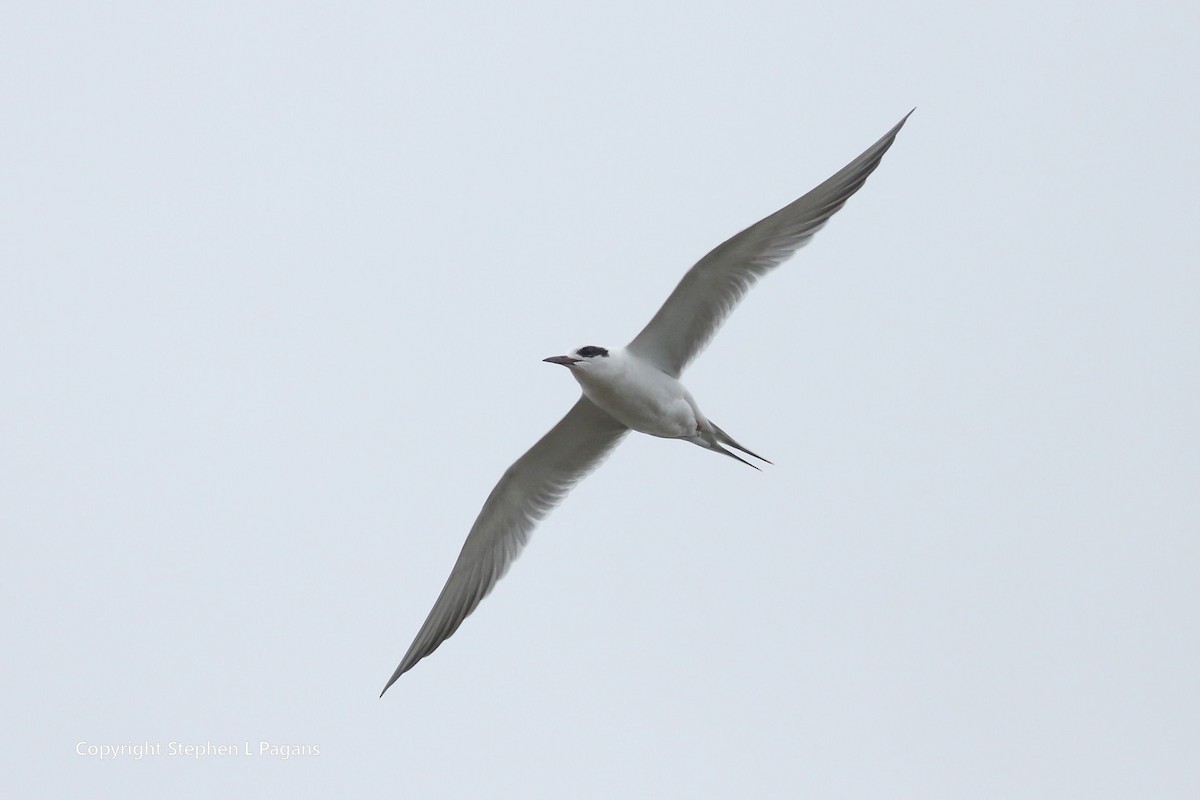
{"points": [[632, 388]]}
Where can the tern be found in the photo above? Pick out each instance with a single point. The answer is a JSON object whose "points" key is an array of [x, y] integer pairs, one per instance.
{"points": [[634, 388]]}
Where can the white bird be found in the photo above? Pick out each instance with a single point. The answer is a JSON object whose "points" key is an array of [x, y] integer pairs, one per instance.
{"points": [[635, 388]]}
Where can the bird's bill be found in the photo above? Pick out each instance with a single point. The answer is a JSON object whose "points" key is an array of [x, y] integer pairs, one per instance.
{"points": [[566, 361]]}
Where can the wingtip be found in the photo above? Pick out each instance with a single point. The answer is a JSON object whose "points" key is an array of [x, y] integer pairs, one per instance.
{"points": [[393, 679]]}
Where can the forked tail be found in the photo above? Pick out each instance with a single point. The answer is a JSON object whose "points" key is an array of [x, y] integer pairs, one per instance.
{"points": [[719, 437]]}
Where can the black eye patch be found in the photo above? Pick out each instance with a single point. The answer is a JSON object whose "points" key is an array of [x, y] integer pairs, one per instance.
{"points": [[592, 350]]}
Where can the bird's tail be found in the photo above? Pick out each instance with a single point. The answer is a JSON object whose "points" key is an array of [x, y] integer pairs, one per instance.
{"points": [[719, 437]]}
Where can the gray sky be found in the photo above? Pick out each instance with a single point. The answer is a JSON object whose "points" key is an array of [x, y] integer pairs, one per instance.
{"points": [[277, 282]]}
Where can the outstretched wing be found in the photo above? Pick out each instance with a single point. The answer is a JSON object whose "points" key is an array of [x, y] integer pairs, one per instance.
{"points": [[529, 490], [713, 288]]}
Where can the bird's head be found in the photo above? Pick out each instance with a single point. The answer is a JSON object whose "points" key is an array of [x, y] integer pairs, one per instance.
{"points": [[585, 359]]}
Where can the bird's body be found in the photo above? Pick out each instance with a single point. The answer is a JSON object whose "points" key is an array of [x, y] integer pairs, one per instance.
{"points": [[636, 388], [636, 392], [639, 395]]}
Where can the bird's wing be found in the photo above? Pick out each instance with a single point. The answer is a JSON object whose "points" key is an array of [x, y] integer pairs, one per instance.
{"points": [[716, 284], [529, 490]]}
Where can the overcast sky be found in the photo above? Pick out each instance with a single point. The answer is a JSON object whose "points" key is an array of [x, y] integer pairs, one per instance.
{"points": [[276, 281]]}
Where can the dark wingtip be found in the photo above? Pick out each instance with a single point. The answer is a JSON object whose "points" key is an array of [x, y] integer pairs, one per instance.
{"points": [[896, 128], [394, 678]]}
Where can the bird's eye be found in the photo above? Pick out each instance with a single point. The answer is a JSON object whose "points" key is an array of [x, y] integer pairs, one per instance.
{"points": [[591, 350]]}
